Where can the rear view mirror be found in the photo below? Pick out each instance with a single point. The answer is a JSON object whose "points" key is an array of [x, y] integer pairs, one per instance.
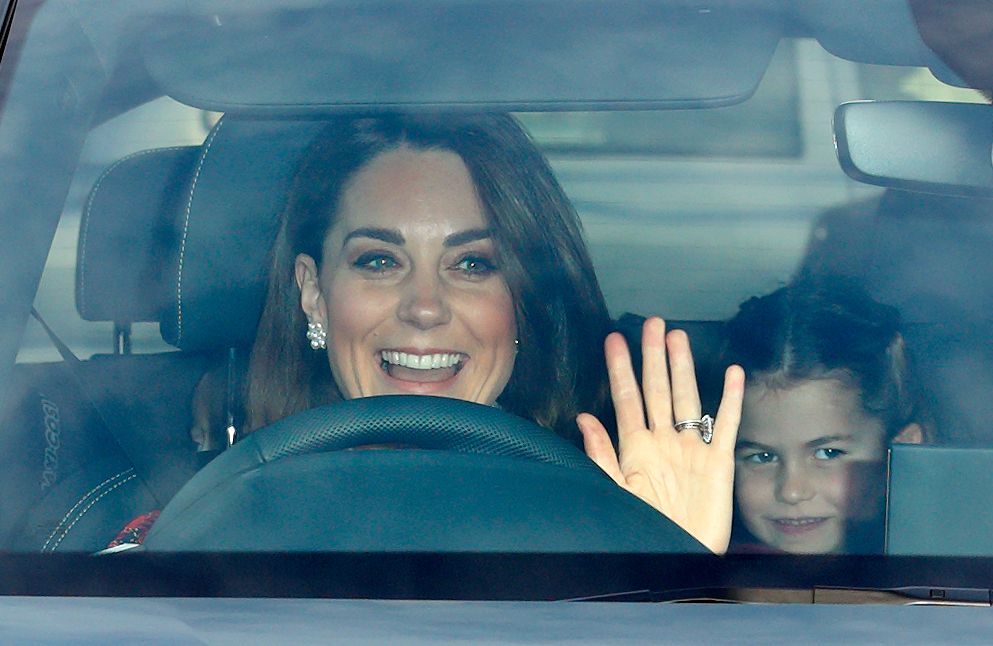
{"points": [[931, 147]]}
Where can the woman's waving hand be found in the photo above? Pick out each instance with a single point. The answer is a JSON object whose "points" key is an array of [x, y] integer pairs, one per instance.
{"points": [[688, 479]]}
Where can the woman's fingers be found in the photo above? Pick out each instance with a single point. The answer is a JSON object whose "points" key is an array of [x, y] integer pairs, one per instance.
{"points": [[677, 474], [655, 375], [599, 448], [624, 390], [685, 397], [729, 412]]}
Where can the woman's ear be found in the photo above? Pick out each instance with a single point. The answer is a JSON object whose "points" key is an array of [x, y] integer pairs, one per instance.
{"points": [[910, 434], [311, 299]]}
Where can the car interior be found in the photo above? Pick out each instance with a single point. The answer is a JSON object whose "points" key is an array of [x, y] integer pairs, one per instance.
{"points": [[733, 147]]}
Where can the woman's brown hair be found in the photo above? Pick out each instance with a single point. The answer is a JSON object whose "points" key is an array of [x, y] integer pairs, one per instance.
{"points": [[560, 311]]}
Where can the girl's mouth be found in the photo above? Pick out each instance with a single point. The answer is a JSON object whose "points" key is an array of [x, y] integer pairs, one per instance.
{"points": [[425, 368], [798, 526]]}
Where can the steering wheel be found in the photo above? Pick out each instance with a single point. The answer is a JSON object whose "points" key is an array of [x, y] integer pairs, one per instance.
{"points": [[487, 480]]}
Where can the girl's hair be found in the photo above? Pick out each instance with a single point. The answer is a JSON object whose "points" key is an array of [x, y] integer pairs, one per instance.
{"points": [[822, 327], [561, 314]]}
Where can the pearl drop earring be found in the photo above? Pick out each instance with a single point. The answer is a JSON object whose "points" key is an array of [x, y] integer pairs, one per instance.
{"points": [[317, 336]]}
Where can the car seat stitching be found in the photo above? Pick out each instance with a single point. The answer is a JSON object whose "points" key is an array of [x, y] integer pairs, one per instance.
{"points": [[88, 507], [80, 502], [89, 209], [186, 227]]}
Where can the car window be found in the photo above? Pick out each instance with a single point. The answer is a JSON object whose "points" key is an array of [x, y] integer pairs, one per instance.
{"points": [[155, 158], [161, 123], [620, 182], [766, 125]]}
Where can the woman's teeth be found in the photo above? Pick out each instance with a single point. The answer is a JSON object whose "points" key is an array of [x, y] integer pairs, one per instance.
{"points": [[421, 361]]}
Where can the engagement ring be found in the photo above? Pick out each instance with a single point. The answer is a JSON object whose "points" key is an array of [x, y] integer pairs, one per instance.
{"points": [[705, 425]]}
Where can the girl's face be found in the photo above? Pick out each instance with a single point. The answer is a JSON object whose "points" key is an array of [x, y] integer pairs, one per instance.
{"points": [[410, 291], [808, 463]]}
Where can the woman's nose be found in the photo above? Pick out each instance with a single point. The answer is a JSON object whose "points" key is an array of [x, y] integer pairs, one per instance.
{"points": [[424, 303], [794, 485]]}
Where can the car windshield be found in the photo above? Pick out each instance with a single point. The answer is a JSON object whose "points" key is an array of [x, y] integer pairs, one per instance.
{"points": [[315, 276]]}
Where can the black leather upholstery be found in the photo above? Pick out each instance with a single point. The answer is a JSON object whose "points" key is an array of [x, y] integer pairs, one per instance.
{"points": [[126, 235], [81, 473], [226, 230], [75, 485], [707, 343], [932, 258]]}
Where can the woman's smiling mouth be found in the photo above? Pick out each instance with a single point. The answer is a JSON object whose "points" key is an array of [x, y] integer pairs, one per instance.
{"points": [[427, 368]]}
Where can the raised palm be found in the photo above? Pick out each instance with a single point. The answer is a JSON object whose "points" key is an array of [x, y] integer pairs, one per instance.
{"points": [[686, 479]]}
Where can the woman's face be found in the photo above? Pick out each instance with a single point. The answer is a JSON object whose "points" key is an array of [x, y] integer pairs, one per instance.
{"points": [[410, 291], [807, 463]]}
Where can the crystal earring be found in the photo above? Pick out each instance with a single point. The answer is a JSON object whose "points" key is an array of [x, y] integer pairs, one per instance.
{"points": [[317, 336]]}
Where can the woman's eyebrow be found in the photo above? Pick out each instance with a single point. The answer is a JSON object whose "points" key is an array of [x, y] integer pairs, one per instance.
{"points": [[392, 236], [469, 235]]}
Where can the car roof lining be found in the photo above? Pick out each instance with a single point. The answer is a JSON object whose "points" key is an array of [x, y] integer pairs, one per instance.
{"points": [[546, 56], [690, 54], [700, 68]]}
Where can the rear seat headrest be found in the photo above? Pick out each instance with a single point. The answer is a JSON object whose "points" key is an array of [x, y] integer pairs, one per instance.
{"points": [[226, 227], [927, 255], [125, 235]]}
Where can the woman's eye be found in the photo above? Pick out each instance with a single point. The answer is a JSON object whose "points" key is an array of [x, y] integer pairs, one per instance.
{"points": [[376, 262], [475, 266], [762, 457], [828, 454]]}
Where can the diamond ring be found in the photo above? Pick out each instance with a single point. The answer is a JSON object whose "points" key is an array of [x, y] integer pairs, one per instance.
{"points": [[705, 426]]}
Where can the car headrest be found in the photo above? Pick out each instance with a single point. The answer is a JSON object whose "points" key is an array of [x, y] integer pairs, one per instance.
{"points": [[226, 228], [125, 235], [927, 255]]}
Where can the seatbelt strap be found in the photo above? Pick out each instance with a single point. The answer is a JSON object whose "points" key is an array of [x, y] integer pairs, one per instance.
{"points": [[72, 365]]}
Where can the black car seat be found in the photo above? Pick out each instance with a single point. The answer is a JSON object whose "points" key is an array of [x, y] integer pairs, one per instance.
{"points": [[194, 227], [707, 343], [88, 445], [225, 233], [217, 279]]}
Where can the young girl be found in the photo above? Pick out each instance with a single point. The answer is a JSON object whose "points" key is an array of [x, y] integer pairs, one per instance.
{"points": [[828, 390]]}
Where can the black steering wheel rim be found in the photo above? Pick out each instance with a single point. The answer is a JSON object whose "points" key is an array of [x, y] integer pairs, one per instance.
{"points": [[495, 482], [415, 421]]}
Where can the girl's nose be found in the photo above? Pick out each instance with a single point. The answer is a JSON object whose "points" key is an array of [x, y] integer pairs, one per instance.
{"points": [[794, 485], [424, 303]]}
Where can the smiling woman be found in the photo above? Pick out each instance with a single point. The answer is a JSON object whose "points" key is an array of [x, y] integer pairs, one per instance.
{"points": [[437, 255], [410, 290], [415, 240]]}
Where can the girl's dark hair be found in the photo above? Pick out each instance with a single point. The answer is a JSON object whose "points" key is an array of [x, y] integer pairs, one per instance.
{"points": [[828, 326], [561, 314]]}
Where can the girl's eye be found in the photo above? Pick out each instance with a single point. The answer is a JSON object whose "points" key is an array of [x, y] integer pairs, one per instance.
{"points": [[376, 262], [762, 457], [475, 266], [828, 454]]}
